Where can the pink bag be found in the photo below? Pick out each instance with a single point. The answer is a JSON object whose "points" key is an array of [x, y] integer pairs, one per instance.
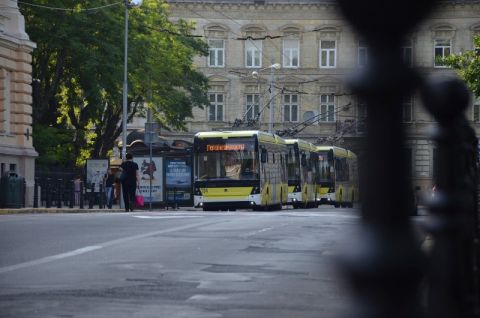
{"points": [[139, 199]]}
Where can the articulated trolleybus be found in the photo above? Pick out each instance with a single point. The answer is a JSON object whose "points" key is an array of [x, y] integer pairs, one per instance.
{"points": [[240, 169], [337, 176]]}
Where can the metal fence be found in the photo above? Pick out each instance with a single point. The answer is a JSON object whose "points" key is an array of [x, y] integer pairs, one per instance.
{"points": [[389, 272]]}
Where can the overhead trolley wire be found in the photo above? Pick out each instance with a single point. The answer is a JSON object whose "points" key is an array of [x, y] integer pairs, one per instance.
{"points": [[71, 9]]}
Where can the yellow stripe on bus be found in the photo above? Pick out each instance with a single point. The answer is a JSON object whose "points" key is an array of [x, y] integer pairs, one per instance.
{"points": [[226, 192]]}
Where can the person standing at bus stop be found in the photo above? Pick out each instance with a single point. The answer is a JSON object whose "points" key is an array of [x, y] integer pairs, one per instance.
{"points": [[130, 179], [109, 181]]}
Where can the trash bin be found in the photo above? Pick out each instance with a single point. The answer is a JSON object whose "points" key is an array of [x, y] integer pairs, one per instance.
{"points": [[12, 190]]}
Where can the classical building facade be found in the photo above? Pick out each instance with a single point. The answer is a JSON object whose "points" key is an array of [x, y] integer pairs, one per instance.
{"points": [[283, 63], [16, 150]]}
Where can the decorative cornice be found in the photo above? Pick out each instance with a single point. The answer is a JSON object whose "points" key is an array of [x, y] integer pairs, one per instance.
{"points": [[16, 44]]}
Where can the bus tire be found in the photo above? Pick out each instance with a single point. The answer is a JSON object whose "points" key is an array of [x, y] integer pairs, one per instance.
{"points": [[336, 205]]}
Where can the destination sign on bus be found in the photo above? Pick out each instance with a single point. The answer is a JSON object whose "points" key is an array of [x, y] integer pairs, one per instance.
{"points": [[226, 147]]}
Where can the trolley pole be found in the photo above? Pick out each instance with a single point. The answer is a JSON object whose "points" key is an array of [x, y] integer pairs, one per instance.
{"points": [[272, 96]]}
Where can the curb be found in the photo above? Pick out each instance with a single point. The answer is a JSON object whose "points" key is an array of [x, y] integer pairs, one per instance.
{"points": [[77, 210]]}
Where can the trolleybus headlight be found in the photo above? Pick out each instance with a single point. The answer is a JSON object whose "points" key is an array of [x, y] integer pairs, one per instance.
{"points": [[197, 191], [200, 204], [255, 190], [252, 203]]}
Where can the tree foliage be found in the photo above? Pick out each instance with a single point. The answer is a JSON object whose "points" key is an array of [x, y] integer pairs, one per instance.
{"points": [[78, 70], [467, 65]]}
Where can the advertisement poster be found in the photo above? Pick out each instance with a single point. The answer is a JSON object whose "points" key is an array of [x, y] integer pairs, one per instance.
{"points": [[178, 179], [96, 170], [155, 171]]}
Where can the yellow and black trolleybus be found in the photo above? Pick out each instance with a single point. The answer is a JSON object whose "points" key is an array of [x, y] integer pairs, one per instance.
{"points": [[337, 176], [239, 169], [302, 167]]}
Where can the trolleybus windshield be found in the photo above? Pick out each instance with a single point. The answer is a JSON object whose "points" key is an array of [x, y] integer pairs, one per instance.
{"points": [[227, 160], [293, 164], [326, 169]]}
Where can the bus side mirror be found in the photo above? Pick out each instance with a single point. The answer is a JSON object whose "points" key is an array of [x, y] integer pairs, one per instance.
{"points": [[263, 155]]}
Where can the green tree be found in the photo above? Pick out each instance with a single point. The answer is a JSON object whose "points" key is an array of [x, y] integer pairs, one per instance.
{"points": [[467, 65], [78, 72]]}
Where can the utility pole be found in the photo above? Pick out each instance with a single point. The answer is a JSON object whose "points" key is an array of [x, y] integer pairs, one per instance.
{"points": [[272, 96]]}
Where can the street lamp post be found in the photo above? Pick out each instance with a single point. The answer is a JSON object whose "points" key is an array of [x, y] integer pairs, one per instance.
{"points": [[128, 5]]}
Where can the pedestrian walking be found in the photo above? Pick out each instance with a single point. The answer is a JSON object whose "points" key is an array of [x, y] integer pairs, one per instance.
{"points": [[130, 181], [109, 181]]}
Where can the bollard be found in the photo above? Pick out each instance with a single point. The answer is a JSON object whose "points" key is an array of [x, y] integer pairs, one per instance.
{"points": [[48, 202], [175, 204], [72, 194], [35, 193], [91, 196], [101, 197], [81, 194], [59, 193]]}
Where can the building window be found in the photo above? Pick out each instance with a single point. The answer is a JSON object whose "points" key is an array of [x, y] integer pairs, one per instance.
{"points": [[407, 109], [216, 108], [290, 107], [328, 53], [253, 53], [216, 56], [442, 49], [407, 53], [290, 53], [361, 116], [327, 108], [362, 53], [252, 106]]}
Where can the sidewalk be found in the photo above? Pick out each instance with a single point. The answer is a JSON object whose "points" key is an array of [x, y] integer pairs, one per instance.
{"points": [[86, 210]]}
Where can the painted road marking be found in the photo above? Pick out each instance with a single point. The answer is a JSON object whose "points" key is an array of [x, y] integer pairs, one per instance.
{"points": [[49, 259], [87, 249], [167, 216]]}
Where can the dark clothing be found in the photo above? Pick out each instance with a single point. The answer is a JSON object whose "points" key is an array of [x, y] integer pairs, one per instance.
{"points": [[130, 168], [129, 184], [109, 180], [129, 196]]}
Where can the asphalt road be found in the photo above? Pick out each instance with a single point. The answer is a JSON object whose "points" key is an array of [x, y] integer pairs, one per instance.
{"points": [[174, 264]]}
